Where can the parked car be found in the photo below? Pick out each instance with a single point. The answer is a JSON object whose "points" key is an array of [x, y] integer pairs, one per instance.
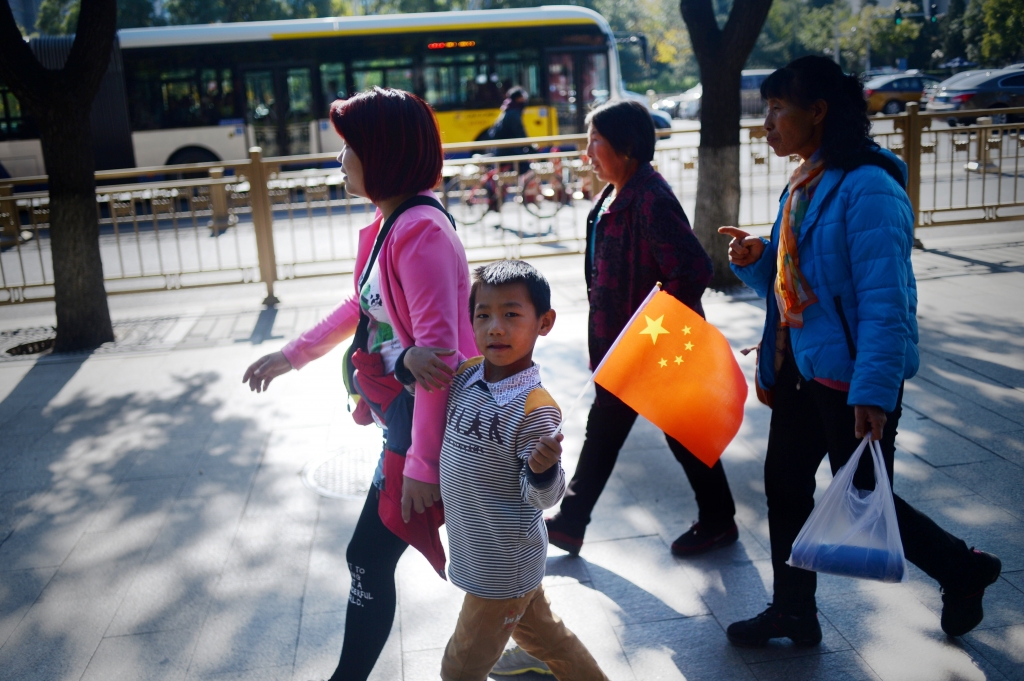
{"points": [[890, 94], [687, 105], [751, 104], [662, 121], [931, 89], [994, 89]]}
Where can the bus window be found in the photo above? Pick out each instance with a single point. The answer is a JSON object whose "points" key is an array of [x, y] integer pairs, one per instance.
{"points": [[457, 80], [595, 79], [179, 95], [562, 91], [217, 96], [300, 110], [395, 73], [519, 68], [261, 110], [12, 123], [332, 83]]}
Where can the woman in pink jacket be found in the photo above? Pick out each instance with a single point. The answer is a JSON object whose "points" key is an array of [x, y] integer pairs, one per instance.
{"points": [[415, 292]]}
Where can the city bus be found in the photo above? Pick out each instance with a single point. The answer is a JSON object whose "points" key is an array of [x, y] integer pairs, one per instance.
{"points": [[189, 94]]}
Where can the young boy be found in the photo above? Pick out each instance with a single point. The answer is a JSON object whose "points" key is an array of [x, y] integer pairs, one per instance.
{"points": [[499, 469]]}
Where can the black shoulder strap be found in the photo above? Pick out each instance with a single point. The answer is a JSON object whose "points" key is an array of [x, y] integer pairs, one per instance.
{"points": [[385, 229]]}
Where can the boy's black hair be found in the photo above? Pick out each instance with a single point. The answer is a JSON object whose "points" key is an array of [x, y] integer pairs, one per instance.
{"points": [[506, 272]]}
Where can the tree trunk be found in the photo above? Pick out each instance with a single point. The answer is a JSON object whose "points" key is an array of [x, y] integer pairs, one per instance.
{"points": [[721, 54], [83, 318], [60, 103]]}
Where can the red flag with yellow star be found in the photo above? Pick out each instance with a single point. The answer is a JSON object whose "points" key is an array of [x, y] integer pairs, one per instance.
{"points": [[678, 371]]}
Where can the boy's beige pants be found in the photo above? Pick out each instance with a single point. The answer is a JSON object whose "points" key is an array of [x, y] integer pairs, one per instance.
{"points": [[485, 625]]}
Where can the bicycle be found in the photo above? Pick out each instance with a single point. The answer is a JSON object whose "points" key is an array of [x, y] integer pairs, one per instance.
{"points": [[540, 190]]}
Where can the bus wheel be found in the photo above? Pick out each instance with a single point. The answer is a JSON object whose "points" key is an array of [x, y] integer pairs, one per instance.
{"points": [[192, 155]]}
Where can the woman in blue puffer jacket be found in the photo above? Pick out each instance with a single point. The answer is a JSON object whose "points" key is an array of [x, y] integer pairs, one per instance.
{"points": [[840, 338]]}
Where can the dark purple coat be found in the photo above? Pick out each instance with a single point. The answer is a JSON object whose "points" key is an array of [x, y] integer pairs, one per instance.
{"points": [[644, 238]]}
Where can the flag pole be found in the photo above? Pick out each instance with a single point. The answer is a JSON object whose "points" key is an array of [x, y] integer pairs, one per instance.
{"points": [[575, 403]]}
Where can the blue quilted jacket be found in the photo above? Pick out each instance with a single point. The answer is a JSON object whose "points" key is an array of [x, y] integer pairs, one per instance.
{"points": [[854, 247]]}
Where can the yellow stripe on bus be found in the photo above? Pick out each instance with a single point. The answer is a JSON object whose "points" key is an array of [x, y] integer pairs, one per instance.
{"points": [[426, 29], [468, 124]]}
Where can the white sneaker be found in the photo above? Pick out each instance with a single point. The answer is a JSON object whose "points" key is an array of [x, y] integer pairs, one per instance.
{"points": [[517, 661]]}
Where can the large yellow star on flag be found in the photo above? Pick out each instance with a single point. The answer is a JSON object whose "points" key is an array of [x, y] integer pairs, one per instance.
{"points": [[654, 328]]}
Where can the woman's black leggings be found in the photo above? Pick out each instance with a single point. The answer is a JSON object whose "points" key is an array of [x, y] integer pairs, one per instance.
{"points": [[372, 558]]}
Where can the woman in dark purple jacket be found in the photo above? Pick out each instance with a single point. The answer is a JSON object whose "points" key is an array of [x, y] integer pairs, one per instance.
{"points": [[637, 236]]}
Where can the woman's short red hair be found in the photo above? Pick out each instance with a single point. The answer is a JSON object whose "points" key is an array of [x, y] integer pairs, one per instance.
{"points": [[395, 135]]}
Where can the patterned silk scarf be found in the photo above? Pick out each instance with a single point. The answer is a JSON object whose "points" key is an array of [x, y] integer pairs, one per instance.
{"points": [[792, 291]]}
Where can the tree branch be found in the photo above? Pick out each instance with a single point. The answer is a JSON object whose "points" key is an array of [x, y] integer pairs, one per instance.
{"points": [[705, 36], [743, 27], [19, 68], [90, 53]]}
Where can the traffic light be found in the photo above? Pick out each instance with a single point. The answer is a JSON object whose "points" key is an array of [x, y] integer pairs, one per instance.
{"points": [[899, 16], [933, 12]]}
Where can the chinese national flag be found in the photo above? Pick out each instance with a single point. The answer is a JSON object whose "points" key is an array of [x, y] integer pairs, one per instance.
{"points": [[679, 372]]}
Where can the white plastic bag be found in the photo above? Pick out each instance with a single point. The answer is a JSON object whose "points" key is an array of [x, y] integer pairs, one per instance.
{"points": [[853, 532]]}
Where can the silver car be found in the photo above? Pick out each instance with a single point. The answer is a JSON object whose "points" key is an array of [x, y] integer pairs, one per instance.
{"points": [[687, 105], [992, 89]]}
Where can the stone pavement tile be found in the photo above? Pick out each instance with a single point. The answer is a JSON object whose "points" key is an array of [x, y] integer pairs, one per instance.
{"points": [[137, 505], [249, 627], [429, 606], [642, 579], [175, 586], [157, 656], [425, 665], [1001, 482], [1015, 578], [13, 508], [45, 537], [55, 640], [319, 650], [164, 597], [959, 415], [980, 523], [99, 570], [897, 636], [172, 459], [915, 481], [270, 548], [565, 569], [1009, 446], [618, 515], [278, 489], [229, 464], [936, 444], [693, 649], [281, 673], [19, 590], [1001, 648], [320, 639], [844, 665], [584, 612], [951, 375], [327, 580]]}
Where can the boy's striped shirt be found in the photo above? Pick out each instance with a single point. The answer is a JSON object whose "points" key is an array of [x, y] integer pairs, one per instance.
{"points": [[492, 500]]}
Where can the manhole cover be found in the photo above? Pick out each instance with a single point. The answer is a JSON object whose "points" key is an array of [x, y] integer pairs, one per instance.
{"points": [[344, 474]]}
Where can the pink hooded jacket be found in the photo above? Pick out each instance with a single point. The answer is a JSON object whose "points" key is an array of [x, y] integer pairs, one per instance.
{"points": [[425, 284]]}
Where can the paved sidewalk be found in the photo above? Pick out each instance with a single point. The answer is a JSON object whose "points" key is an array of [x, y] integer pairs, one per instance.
{"points": [[154, 523]]}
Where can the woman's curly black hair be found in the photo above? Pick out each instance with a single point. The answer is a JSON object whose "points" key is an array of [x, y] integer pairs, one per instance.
{"points": [[804, 81]]}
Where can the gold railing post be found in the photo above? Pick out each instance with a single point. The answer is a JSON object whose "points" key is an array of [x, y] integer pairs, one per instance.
{"points": [[263, 222], [221, 219], [912, 155], [8, 217]]}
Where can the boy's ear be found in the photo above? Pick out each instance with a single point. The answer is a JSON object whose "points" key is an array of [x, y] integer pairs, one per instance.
{"points": [[547, 322]]}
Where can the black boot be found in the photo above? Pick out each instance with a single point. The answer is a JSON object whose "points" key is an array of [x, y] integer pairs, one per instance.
{"points": [[700, 539], [961, 602], [803, 630], [565, 535]]}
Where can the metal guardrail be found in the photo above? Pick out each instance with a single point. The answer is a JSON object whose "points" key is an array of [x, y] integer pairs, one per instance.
{"points": [[267, 219]]}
